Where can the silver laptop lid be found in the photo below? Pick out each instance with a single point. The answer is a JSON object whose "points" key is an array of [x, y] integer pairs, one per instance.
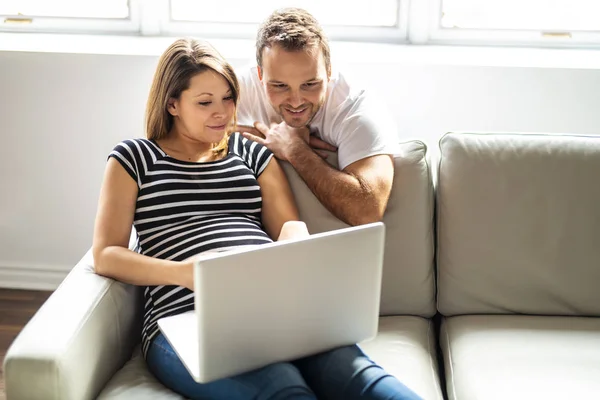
{"points": [[286, 300]]}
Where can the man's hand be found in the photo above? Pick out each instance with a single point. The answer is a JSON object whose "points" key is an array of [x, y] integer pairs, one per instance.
{"points": [[319, 145], [282, 139]]}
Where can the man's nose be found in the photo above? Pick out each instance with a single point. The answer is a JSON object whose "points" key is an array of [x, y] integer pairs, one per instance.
{"points": [[295, 99]]}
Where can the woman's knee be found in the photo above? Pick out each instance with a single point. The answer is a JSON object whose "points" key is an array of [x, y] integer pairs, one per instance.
{"points": [[278, 381], [348, 373], [273, 382], [347, 358]]}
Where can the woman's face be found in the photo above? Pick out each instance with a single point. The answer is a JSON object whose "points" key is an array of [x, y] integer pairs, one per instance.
{"points": [[204, 111]]}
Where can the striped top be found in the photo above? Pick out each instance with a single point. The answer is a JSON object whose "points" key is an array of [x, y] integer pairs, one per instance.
{"points": [[187, 208]]}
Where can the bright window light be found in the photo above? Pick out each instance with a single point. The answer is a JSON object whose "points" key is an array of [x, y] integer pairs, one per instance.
{"points": [[374, 13], [112, 9], [547, 15]]}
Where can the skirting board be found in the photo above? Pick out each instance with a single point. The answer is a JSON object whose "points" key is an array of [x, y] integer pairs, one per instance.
{"points": [[39, 277]]}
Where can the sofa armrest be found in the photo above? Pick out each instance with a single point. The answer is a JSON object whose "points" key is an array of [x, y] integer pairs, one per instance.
{"points": [[77, 340]]}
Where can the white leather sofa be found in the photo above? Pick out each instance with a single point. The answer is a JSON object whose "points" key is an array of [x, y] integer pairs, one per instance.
{"points": [[517, 266], [83, 342], [518, 261]]}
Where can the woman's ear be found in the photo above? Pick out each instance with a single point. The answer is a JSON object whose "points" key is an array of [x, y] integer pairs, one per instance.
{"points": [[172, 107]]}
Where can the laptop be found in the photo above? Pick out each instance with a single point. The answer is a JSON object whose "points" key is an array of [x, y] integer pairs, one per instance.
{"points": [[279, 302]]}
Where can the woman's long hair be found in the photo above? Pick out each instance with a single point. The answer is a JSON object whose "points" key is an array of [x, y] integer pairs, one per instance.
{"points": [[179, 63]]}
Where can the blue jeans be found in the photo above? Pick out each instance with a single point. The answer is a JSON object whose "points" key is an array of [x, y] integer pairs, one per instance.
{"points": [[344, 373]]}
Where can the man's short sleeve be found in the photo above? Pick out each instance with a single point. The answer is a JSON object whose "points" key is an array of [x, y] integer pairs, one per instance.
{"points": [[363, 129]]}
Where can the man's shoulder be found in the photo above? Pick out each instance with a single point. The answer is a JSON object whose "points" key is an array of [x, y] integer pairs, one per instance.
{"points": [[247, 75], [252, 104], [250, 85], [353, 111], [345, 96], [345, 85]]}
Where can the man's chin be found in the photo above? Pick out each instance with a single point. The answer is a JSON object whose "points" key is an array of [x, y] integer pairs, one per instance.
{"points": [[297, 122]]}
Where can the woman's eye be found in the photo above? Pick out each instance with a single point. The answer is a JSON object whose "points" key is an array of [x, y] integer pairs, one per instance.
{"points": [[228, 98], [205, 103]]}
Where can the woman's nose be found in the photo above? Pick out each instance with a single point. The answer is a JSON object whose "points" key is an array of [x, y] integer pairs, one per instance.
{"points": [[220, 111]]}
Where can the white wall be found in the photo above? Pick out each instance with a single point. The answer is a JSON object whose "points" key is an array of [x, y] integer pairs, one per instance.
{"points": [[61, 114]]}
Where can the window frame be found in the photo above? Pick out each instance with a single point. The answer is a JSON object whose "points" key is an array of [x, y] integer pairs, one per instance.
{"points": [[396, 34], [419, 22], [436, 34], [80, 25]]}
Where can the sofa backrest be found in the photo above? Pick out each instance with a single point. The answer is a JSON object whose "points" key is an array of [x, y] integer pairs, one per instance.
{"points": [[408, 275], [518, 224]]}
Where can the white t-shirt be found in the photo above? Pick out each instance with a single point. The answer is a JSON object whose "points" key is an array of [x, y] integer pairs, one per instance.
{"points": [[348, 119]]}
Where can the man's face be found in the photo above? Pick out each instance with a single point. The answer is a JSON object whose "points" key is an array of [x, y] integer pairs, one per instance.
{"points": [[295, 83]]}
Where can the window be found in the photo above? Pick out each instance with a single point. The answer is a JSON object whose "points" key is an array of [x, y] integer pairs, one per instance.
{"points": [[537, 22], [332, 12], [566, 23], [383, 20], [68, 16]]}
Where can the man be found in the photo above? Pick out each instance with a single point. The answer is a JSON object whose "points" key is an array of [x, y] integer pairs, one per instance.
{"points": [[308, 109]]}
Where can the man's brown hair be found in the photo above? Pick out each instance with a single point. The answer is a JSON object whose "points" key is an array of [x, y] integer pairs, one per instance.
{"points": [[294, 29]]}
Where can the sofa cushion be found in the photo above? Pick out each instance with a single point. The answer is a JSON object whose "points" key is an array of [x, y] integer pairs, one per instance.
{"points": [[519, 224], [521, 357], [408, 277], [135, 381], [405, 347]]}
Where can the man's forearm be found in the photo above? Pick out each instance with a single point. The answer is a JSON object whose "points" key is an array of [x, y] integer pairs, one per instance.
{"points": [[344, 195]]}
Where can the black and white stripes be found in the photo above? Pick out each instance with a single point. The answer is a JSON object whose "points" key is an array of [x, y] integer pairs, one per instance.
{"points": [[186, 208]]}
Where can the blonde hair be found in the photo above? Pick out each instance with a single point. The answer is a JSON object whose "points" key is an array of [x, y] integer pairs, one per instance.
{"points": [[182, 60]]}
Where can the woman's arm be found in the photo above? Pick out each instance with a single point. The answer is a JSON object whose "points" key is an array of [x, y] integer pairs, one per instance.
{"points": [[112, 258], [279, 212]]}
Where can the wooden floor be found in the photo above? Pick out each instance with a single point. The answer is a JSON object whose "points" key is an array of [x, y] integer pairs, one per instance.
{"points": [[16, 308]]}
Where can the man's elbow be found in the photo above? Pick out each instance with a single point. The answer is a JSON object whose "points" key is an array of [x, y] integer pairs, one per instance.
{"points": [[370, 206], [367, 215]]}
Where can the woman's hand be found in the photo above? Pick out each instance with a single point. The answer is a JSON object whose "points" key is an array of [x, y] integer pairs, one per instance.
{"points": [[185, 272], [184, 275], [279, 206], [293, 230]]}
